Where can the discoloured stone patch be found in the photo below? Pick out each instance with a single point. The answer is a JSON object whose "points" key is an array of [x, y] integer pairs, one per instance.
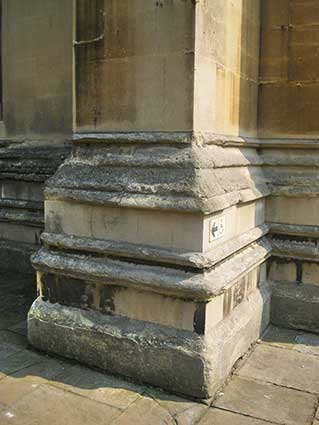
{"points": [[296, 306]]}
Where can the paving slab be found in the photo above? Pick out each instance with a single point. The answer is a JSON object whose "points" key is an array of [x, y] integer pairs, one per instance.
{"points": [[304, 342], [53, 406], [191, 416], [99, 387], [185, 412], [145, 411], [222, 417], [11, 343], [19, 291], [15, 386], [283, 367], [18, 361], [14, 310], [268, 402], [20, 328]]}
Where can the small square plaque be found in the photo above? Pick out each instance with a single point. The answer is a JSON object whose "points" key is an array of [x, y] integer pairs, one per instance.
{"points": [[217, 228]]}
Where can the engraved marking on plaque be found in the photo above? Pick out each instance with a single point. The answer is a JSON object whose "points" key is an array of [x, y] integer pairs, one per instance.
{"points": [[217, 227]]}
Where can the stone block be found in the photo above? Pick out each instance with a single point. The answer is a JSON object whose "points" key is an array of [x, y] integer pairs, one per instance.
{"points": [[148, 352], [310, 273], [282, 270], [295, 307], [291, 210]]}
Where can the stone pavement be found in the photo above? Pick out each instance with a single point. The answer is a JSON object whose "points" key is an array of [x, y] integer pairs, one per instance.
{"points": [[277, 383]]}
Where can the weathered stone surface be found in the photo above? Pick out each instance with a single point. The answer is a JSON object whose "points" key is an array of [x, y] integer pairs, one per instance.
{"points": [[295, 306], [293, 369], [19, 388], [185, 283], [268, 402], [24, 167], [124, 346], [148, 352], [47, 404], [182, 179], [204, 260]]}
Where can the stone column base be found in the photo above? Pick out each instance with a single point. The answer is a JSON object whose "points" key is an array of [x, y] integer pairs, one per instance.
{"points": [[174, 359]]}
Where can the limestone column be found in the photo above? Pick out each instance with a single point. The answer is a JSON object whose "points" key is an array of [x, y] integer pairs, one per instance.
{"points": [[153, 264]]}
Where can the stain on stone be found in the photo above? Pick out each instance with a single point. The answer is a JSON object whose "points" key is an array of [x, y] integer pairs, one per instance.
{"points": [[299, 271], [49, 286], [107, 299], [67, 291], [200, 318]]}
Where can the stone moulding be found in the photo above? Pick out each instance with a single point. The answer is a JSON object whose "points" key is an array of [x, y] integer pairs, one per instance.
{"points": [[182, 283], [158, 175], [151, 254]]}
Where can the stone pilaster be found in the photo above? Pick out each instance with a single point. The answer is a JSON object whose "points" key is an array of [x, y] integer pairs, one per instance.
{"points": [[153, 264], [288, 128]]}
